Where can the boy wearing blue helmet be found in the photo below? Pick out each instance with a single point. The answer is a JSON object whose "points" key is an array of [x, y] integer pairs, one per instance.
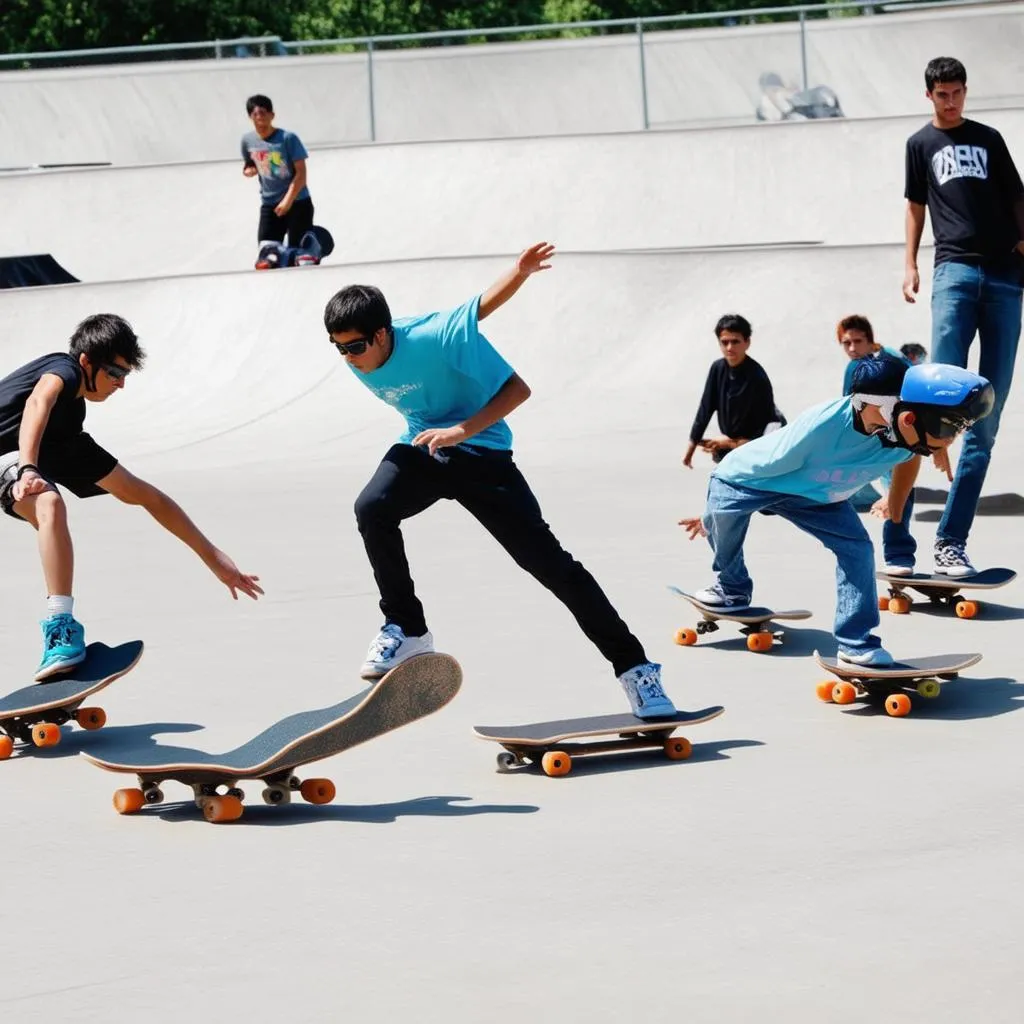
{"points": [[807, 471]]}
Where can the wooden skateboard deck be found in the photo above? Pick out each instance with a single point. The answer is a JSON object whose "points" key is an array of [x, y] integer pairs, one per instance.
{"points": [[544, 743], [941, 590], [34, 714], [757, 621], [414, 689], [924, 675]]}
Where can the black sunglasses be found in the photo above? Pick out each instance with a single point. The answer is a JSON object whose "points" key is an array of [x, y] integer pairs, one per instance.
{"points": [[114, 371], [352, 348]]}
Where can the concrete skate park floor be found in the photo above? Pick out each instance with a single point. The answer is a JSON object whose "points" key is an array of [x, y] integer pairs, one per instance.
{"points": [[808, 863]]}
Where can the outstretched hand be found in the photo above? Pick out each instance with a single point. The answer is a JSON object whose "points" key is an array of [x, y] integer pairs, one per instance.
{"points": [[694, 527], [233, 578], [534, 259]]}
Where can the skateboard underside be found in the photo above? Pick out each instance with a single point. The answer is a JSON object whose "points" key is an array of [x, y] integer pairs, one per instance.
{"points": [[941, 591]]}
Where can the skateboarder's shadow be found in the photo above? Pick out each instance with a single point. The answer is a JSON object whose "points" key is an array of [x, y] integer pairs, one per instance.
{"points": [[144, 734], [960, 700], [373, 814], [796, 643]]}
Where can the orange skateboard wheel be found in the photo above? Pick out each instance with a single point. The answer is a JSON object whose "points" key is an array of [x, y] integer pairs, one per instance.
{"points": [[686, 637], [6, 747], [91, 718], [899, 605], [897, 705], [883, 604], [844, 693], [824, 691], [760, 642], [966, 609], [219, 809], [46, 734], [678, 748], [317, 791], [556, 762], [128, 801]]}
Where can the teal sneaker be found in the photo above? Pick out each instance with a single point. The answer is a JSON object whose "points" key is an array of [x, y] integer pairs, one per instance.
{"points": [[643, 688], [63, 646]]}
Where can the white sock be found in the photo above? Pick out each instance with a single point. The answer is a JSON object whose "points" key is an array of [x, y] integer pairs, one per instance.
{"points": [[57, 604]]}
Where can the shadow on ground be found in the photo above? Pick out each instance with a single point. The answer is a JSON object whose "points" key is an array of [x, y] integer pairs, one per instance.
{"points": [[74, 740], [795, 643], [961, 699]]}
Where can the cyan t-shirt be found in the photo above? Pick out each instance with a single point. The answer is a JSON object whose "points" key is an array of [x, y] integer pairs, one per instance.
{"points": [[441, 371], [274, 158], [820, 455]]}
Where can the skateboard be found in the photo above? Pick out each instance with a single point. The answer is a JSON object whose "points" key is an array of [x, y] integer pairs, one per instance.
{"points": [[34, 714], [942, 591], [924, 675], [543, 742], [314, 246], [414, 689], [757, 622]]}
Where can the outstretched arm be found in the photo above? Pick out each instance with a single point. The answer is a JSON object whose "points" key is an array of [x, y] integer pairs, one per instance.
{"points": [[530, 261], [171, 516]]}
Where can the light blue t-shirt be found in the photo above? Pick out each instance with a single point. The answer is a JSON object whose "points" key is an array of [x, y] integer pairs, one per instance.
{"points": [[441, 371], [275, 158], [820, 455]]}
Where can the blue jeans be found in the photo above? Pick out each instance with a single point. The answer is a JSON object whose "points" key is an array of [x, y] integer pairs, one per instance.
{"points": [[836, 525], [968, 299]]}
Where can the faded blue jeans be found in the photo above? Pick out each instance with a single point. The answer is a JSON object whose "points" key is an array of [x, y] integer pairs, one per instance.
{"points": [[836, 525], [968, 299]]}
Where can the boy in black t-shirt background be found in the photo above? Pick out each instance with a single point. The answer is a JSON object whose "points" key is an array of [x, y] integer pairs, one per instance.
{"points": [[961, 172], [738, 389], [42, 444]]}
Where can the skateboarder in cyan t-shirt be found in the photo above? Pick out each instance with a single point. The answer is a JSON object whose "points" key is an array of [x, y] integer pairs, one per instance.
{"points": [[455, 390]]}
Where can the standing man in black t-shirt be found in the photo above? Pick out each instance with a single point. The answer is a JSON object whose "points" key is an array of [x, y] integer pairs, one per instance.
{"points": [[962, 173], [42, 444], [737, 389]]}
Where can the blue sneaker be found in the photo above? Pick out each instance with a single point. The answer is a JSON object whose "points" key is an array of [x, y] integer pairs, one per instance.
{"points": [[643, 688], [63, 646], [874, 657]]}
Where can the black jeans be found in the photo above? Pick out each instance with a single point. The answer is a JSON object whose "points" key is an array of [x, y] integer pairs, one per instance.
{"points": [[489, 486], [296, 222]]}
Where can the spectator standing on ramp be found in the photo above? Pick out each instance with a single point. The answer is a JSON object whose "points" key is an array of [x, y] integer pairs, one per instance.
{"points": [[42, 444], [278, 158], [454, 390], [962, 173], [738, 389]]}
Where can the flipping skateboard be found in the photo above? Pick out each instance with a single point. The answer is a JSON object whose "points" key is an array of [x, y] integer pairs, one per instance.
{"points": [[416, 688], [542, 743], [942, 591], [924, 675], [757, 622], [34, 714]]}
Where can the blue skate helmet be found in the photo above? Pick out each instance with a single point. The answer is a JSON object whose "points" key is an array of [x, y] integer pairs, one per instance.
{"points": [[944, 399]]}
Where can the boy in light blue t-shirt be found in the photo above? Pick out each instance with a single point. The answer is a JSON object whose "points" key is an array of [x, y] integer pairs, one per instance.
{"points": [[807, 471], [454, 391]]}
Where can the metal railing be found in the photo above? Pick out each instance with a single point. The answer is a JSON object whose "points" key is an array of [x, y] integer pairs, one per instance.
{"points": [[275, 46]]}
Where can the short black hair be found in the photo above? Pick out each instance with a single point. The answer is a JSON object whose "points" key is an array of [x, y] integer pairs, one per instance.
{"points": [[734, 322], [104, 336], [878, 376], [358, 307], [944, 69], [259, 100]]}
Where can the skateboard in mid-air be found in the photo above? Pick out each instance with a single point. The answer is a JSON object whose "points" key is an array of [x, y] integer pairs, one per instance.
{"points": [[756, 621], [412, 690], [941, 590], [923, 675], [543, 743], [34, 714]]}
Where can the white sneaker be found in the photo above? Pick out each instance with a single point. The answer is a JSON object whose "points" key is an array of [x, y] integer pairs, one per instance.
{"points": [[715, 595], [898, 570], [951, 559], [643, 688], [876, 657], [391, 647]]}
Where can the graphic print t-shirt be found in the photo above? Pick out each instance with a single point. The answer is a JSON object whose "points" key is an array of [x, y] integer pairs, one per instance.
{"points": [[274, 158], [967, 179], [441, 371], [67, 454], [820, 455]]}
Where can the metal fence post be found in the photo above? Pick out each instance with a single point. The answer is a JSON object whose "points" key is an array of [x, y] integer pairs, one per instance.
{"points": [[643, 72], [803, 48], [369, 82]]}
